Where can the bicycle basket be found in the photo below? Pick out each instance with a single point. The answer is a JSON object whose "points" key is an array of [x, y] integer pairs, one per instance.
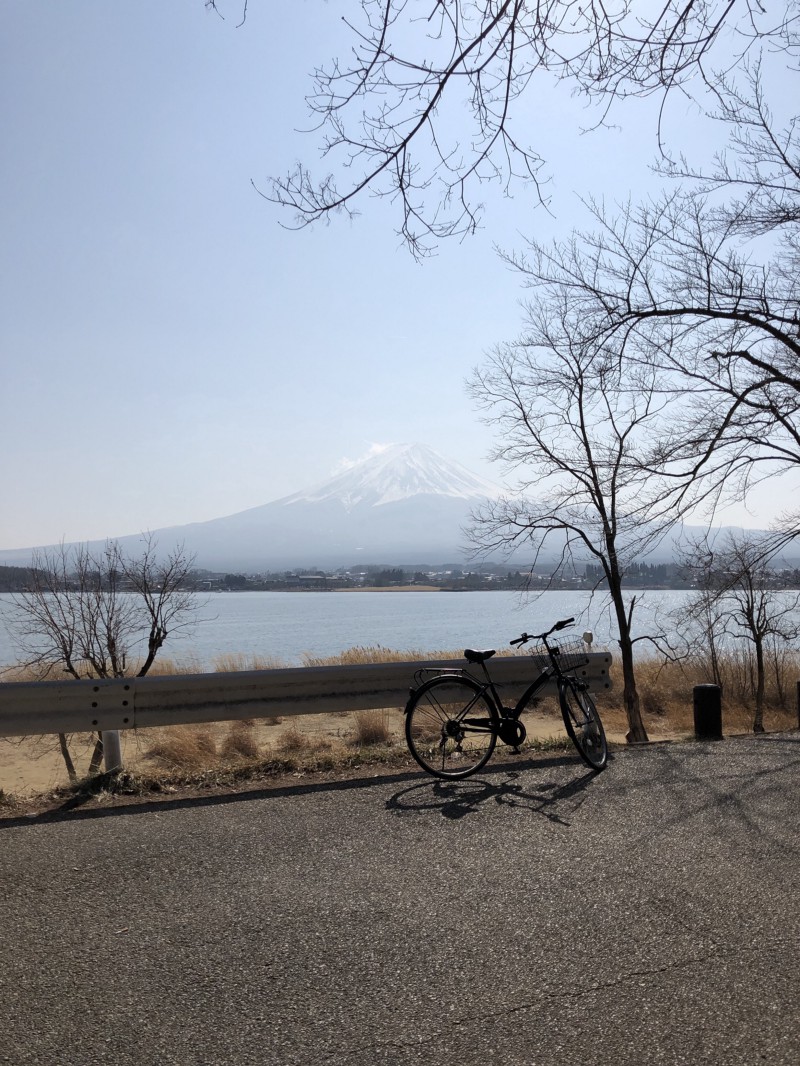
{"points": [[571, 654]]}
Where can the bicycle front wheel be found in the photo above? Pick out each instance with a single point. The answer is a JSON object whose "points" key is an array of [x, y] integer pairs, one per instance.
{"points": [[451, 728], [583, 724]]}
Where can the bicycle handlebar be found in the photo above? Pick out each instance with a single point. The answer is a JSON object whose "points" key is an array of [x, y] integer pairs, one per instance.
{"points": [[525, 637]]}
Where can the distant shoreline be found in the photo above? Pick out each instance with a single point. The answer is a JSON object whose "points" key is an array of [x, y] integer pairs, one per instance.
{"points": [[391, 588]]}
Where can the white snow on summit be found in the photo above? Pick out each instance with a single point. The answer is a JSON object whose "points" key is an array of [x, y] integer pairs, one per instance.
{"points": [[395, 473]]}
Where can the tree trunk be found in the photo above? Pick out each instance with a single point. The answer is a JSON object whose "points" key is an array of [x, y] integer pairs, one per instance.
{"points": [[758, 721], [716, 673], [97, 756], [70, 765], [637, 733]]}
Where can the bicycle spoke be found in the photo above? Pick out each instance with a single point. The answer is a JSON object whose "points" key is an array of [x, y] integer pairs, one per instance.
{"points": [[436, 732], [453, 721]]}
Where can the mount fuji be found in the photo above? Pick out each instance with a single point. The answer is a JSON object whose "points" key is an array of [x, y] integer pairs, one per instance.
{"points": [[404, 505], [397, 473]]}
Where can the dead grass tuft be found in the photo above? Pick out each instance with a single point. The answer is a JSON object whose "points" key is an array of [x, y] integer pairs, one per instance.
{"points": [[363, 654], [293, 742], [183, 747], [372, 727], [241, 741], [230, 663]]}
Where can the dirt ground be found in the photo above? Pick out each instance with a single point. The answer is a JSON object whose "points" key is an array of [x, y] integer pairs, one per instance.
{"points": [[34, 765]]}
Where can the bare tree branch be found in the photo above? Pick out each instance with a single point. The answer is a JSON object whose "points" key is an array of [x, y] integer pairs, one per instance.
{"points": [[737, 599], [572, 423], [89, 613], [435, 100]]}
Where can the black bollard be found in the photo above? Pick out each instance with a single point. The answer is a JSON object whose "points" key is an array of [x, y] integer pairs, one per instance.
{"points": [[708, 712]]}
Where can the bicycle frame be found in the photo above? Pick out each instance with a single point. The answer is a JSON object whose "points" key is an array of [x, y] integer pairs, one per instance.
{"points": [[446, 709], [488, 689]]}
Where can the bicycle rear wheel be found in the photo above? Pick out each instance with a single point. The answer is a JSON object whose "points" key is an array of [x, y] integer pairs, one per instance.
{"points": [[451, 728], [583, 724]]}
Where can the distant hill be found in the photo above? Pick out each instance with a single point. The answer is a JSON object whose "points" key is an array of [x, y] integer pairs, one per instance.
{"points": [[14, 578], [407, 506]]}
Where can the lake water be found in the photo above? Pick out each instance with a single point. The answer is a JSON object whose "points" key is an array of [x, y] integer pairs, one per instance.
{"points": [[285, 625]]}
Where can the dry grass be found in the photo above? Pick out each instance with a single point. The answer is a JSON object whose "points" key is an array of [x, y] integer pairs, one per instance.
{"points": [[240, 742], [254, 748], [164, 667], [666, 696], [294, 742], [360, 655], [372, 727], [32, 673], [183, 747], [230, 663], [227, 664], [665, 691]]}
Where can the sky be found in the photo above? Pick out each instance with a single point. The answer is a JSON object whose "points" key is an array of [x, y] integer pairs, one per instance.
{"points": [[169, 351]]}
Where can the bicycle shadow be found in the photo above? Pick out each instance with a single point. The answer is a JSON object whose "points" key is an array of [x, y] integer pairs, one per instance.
{"points": [[454, 800]]}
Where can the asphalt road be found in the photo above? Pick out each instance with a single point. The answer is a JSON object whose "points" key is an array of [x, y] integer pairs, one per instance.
{"points": [[540, 917]]}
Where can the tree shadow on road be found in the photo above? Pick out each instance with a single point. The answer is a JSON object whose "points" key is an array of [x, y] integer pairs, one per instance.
{"points": [[554, 800], [727, 795]]}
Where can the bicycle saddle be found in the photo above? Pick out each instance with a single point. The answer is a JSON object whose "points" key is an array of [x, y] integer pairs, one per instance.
{"points": [[477, 656]]}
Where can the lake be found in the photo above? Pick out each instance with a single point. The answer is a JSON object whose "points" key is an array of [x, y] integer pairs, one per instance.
{"points": [[285, 625]]}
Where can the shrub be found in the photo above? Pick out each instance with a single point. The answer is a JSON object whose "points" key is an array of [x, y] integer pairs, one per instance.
{"points": [[293, 741], [240, 741], [183, 747], [372, 727]]}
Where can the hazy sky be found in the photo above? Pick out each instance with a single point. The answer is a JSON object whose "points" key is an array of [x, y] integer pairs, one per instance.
{"points": [[169, 352]]}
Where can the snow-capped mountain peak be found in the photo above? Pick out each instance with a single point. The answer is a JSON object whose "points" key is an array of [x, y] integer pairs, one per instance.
{"points": [[404, 504], [398, 472]]}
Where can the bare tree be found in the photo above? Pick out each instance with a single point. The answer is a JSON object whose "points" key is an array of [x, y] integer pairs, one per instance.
{"points": [[101, 614], [700, 621], [435, 99], [704, 281], [739, 596], [571, 424], [686, 289]]}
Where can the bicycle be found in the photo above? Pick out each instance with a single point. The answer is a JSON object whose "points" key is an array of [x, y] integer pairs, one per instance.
{"points": [[453, 720]]}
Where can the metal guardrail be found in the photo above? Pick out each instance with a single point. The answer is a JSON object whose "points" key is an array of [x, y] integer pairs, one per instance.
{"points": [[33, 708]]}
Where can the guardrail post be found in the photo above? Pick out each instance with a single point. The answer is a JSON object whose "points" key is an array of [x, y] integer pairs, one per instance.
{"points": [[708, 712], [798, 704], [112, 750]]}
